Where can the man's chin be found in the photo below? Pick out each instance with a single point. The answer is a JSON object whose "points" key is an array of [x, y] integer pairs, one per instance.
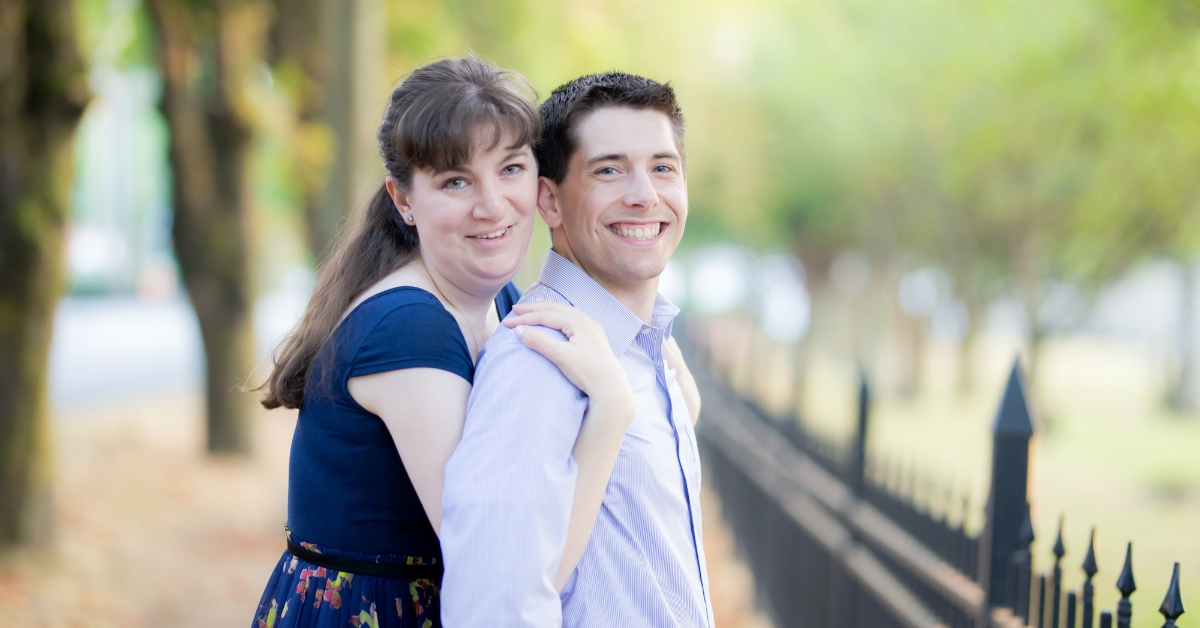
{"points": [[640, 273]]}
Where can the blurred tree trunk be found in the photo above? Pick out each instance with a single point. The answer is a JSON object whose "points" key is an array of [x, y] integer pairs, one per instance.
{"points": [[969, 347], [311, 68], [42, 93], [1183, 398], [205, 52], [329, 55]]}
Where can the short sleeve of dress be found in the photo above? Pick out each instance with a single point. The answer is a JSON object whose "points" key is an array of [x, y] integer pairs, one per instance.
{"points": [[414, 334]]}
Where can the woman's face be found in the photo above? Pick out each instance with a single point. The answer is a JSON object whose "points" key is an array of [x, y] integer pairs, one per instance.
{"points": [[475, 221]]}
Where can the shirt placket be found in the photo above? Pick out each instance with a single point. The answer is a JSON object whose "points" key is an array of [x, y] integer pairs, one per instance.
{"points": [[651, 340]]}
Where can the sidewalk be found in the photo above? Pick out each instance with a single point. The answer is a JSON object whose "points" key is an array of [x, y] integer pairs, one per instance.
{"points": [[151, 532]]}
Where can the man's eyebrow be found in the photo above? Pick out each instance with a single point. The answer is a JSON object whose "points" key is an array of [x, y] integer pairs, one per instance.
{"points": [[669, 155], [608, 157]]}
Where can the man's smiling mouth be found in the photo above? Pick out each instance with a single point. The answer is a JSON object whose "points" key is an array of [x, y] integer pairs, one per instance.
{"points": [[638, 231]]}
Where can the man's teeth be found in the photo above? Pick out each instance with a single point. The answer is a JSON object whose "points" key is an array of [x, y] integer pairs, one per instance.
{"points": [[494, 234], [644, 232]]}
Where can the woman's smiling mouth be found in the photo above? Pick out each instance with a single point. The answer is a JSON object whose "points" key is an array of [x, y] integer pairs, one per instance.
{"points": [[494, 234]]}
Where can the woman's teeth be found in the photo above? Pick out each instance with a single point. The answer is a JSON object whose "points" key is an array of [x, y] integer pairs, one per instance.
{"points": [[642, 232], [494, 234]]}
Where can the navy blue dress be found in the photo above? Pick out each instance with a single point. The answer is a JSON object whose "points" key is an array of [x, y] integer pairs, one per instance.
{"points": [[349, 496]]}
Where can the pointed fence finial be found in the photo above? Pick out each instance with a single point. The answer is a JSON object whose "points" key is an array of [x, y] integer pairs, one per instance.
{"points": [[1059, 550], [1126, 586], [1089, 561], [1025, 536], [1089, 591], [1172, 606], [1013, 419]]}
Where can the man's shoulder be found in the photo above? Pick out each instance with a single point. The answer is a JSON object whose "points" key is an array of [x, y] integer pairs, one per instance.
{"points": [[504, 344], [542, 292], [505, 353]]}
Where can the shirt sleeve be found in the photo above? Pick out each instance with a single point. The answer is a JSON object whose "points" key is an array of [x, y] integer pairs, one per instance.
{"points": [[509, 489], [414, 335]]}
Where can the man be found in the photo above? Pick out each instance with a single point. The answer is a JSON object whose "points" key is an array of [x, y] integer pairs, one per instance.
{"points": [[614, 194]]}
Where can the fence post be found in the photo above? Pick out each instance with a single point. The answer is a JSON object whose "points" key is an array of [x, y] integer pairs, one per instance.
{"points": [[858, 455], [1060, 550], [1023, 561], [1126, 586], [1089, 591], [1008, 494], [1172, 605]]}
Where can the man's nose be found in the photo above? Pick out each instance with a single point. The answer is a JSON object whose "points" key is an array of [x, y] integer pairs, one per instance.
{"points": [[489, 203], [641, 193]]}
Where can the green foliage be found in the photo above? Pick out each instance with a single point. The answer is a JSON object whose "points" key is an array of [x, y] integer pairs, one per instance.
{"points": [[1011, 140], [114, 32]]}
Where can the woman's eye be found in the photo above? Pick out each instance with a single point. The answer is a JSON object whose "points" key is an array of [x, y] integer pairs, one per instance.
{"points": [[455, 184], [513, 169]]}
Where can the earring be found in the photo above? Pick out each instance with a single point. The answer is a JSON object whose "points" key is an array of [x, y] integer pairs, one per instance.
{"points": [[409, 219]]}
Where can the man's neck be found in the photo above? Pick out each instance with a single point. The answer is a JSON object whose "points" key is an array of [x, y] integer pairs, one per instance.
{"points": [[638, 296]]}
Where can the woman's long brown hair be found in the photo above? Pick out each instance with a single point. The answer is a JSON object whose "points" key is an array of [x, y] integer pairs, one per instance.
{"points": [[432, 121]]}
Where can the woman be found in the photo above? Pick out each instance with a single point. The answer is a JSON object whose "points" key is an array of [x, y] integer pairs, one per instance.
{"points": [[380, 365]]}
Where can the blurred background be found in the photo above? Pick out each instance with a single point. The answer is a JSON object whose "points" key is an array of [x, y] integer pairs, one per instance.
{"points": [[924, 190]]}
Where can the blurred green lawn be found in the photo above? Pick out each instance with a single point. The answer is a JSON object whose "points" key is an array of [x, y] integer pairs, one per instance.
{"points": [[1108, 453]]}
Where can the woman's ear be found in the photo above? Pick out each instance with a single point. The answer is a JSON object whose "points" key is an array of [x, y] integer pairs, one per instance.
{"points": [[399, 198], [547, 202]]}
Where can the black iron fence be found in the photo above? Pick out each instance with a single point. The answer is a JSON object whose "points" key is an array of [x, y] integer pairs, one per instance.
{"points": [[838, 540]]}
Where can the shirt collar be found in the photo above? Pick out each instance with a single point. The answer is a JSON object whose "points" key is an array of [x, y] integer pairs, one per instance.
{"points": [[578, 288]]}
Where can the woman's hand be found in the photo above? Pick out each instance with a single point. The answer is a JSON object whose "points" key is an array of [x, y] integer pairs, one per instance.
{"points": [[683, 377], [585, 358]]}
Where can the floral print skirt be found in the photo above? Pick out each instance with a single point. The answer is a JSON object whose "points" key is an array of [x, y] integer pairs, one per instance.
{"points": [[301, 594]]}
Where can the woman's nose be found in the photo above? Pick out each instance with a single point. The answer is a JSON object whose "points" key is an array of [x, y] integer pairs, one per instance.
{"points": [[490, 203]]}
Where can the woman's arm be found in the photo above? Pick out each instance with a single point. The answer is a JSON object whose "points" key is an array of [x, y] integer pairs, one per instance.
{"points": [[588, 361], [424, 410], [683, 377]]}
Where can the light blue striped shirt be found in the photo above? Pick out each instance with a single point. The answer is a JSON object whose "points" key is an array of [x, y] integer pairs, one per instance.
{"points": [[511, 482]]}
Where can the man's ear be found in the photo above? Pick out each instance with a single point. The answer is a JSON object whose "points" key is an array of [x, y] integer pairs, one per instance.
{"points": [[399, 196], [547, 202]]}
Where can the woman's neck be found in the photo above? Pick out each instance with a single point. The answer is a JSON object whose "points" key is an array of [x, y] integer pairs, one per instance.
{"points": [[473, 307]]}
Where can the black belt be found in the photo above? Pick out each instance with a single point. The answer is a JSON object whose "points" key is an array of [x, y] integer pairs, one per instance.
{"points": [[365, 568]]}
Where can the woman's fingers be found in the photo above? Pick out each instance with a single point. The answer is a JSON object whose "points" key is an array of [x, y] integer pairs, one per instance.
{"points": [[543, 344], [561, 321], [539, 306]]}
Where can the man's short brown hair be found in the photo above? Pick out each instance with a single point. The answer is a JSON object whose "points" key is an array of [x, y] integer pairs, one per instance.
{"points": [[568, 104]]}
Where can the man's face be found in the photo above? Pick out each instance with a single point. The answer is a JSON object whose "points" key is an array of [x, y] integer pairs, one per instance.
{"points": [[620, 211]]}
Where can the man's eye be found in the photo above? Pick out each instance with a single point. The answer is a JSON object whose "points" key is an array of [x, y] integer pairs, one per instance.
{"points": [[663, 168], [455, 184], [607, 170]]}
